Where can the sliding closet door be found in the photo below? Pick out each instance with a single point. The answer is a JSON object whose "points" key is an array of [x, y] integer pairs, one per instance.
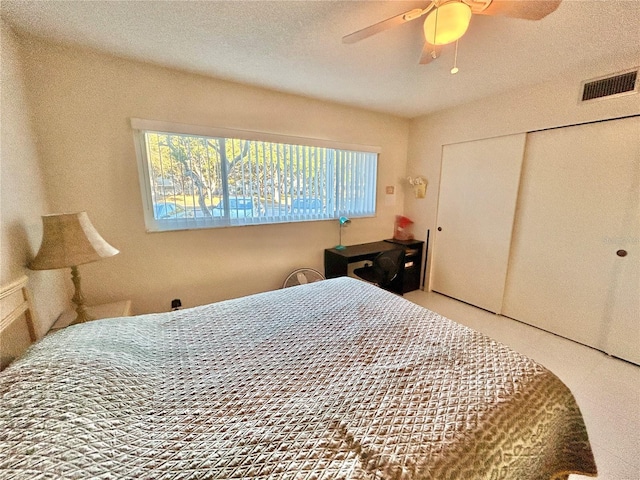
{"points": [[576, 249], [478, 190]]}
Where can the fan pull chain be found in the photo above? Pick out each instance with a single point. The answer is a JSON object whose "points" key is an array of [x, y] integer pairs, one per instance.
{"points": [[455, 69]]}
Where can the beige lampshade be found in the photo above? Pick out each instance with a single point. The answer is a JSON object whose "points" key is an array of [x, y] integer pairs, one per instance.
{"points": [[68, 240]]}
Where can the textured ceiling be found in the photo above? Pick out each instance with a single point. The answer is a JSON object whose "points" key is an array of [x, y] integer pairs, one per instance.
{"points": [[295, 46]]}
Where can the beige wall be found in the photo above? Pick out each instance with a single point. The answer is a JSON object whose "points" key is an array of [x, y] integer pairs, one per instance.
{"points": [[551, 104], [83, 102], [23, 199]]}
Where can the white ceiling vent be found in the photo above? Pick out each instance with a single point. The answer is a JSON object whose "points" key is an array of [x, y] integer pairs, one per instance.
{"points": [[623, 83]]}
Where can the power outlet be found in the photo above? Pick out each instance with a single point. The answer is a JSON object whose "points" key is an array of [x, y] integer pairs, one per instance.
{"points": [[176, 304]]}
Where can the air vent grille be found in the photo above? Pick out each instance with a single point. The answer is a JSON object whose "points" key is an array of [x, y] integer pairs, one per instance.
{"points": [[605, 87]]}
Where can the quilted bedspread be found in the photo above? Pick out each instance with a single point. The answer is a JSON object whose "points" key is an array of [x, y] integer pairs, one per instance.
{"points": [[331, 380]]}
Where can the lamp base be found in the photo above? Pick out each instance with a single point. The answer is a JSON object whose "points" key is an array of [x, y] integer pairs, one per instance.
{"points": [[340, 247], [82, 315], [78, 299]]}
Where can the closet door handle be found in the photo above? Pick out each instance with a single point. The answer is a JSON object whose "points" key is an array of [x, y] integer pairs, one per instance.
{"points": [[621, 253], [439, 229]]}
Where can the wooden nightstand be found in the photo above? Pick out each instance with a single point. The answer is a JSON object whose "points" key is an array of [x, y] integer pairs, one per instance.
{"points": [[108, 310]]}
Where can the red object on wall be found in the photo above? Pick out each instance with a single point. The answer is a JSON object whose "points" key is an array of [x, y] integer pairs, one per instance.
{"points": [[402, 228]]}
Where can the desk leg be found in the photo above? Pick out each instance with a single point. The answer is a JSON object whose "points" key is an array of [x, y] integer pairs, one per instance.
{"points": [[335, 265]]}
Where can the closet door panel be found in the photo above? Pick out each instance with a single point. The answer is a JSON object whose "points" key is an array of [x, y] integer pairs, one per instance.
{"points": [[577, 207], [623, 336], [623, 293], [478, 191]]}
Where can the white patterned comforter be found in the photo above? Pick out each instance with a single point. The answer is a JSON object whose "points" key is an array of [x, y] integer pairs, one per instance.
{"points": [[331, 380]]}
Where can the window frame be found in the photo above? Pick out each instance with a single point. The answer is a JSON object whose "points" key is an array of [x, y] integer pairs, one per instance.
{"points": [[141, 126]]}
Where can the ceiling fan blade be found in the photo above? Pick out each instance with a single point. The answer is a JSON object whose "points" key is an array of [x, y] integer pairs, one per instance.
{"points": [[386, 24], [526, 9], [429, 53]]}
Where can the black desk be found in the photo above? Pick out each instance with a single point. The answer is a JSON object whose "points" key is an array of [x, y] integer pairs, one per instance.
{"points": [[336, 262]]}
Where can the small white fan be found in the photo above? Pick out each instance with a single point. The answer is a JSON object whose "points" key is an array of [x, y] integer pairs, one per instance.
{"points": [[302, 276]]}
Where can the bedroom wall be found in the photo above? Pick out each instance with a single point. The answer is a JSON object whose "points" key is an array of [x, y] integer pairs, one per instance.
{"points": [[83, 102], [23, 200], [550, 104]]}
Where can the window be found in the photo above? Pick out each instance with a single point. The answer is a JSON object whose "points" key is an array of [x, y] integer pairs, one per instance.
{"points": [[196, 177]]}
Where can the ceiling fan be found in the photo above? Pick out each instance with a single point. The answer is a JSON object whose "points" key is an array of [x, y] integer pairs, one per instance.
{"points": [[447, 20]]}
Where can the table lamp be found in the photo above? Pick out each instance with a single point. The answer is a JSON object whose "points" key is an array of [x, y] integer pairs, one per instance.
{"points": [[69, 240], [343, 221]]}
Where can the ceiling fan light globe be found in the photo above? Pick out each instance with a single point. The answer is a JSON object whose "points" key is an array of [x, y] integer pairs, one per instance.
{"points": [[447, 23]]}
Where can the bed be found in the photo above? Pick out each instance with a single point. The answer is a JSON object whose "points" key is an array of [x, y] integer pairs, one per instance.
{"points": [[331, 380]]}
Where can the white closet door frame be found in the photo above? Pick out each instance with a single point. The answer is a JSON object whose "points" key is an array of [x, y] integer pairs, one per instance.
{"points": [[479, 184]]}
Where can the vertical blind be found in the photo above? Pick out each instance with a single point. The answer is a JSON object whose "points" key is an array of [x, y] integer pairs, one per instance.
{"points": [[199, 181]]}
